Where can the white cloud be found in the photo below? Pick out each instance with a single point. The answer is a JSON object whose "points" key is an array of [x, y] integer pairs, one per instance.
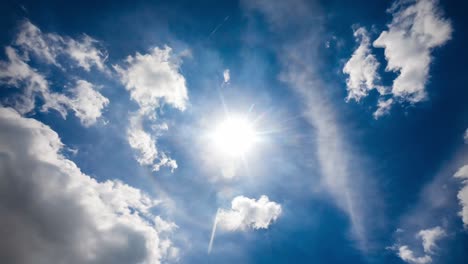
{"points": [[49, 46], [16, 73], [383, 107], [429, 238], [407, 255], [465, 136], [141, 141], [338, 169], [248, 213], [152, 79], [226, 76], [31, 39], [462, 174], [66, 216], [87, 103], [415, 30], [361, 68], [145, 144], [85, 53], [84, 101]]}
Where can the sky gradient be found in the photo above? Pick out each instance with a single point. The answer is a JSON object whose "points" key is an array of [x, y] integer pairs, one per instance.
{"points": [[235, 132]]}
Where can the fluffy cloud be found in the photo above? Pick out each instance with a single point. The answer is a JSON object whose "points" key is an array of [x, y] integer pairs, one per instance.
{"points": [[361, 68], [407, 255], [85, 101], [429, 238], [383, 107], [248, 213], [465, 136], [145, 144], [85, 53], [462, 174], [49, 46], [417, 28], [50, 212], [152, 79]]}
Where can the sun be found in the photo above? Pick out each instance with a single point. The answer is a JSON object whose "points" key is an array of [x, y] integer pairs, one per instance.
{"points": [[234, 136]]}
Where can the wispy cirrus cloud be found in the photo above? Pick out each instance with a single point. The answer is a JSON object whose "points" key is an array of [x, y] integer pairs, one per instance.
{"points": [[298, 25], [85, 52]]}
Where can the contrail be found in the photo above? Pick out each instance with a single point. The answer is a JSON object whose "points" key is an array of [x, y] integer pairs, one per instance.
{"points": [[213, 231], [218, 26]]}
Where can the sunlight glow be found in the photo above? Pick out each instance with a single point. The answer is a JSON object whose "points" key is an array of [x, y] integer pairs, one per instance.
{"points": [[234, 136]]}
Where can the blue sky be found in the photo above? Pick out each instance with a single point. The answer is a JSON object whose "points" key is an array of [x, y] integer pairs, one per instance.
{"points": [[235, 132]]}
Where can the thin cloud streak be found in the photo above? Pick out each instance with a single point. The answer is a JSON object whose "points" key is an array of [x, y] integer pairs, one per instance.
{"points": [[213, 232]]}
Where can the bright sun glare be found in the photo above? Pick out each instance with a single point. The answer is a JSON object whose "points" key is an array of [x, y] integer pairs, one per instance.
{"points": [[234, 136]]}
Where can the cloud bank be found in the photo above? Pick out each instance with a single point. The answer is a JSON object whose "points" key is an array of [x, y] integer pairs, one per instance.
{"points": [[51, 212]]}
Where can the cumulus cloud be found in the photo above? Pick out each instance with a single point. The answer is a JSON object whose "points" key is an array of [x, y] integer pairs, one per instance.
{"points": [[462, 174], [152, 80], [49, 46], [429, 238], [248, 213], [407, 255], [226, 76], [416, 29], [83, 99], [361, 68], [51, 212]]}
